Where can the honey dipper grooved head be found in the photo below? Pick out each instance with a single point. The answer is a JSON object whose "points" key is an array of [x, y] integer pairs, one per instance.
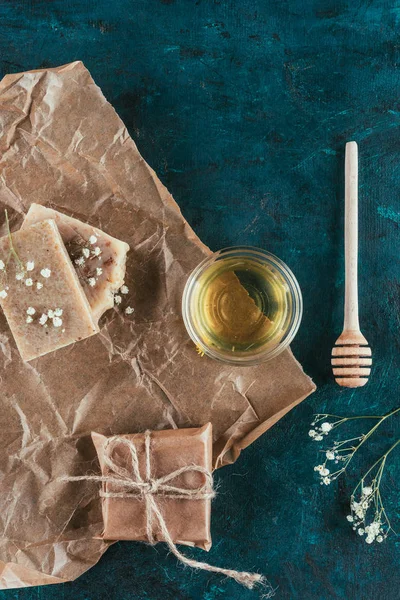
{"points": [[351, 361]]}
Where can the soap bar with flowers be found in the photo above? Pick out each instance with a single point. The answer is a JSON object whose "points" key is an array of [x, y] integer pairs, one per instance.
{"points": [[40, 293], [99, 259], [126, 509]]}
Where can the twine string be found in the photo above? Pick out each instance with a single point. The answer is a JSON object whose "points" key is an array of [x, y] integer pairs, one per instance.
{"points": [[132, 485]]}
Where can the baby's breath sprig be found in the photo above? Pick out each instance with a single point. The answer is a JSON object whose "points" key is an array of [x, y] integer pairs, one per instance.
{"points": [[82, 253], [12, 251], [342, 451], [23, 272], [366, 498], [366, 501], [119, 297]]}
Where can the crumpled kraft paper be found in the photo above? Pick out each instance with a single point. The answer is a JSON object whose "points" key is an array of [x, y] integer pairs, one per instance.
{"points": [[63, 145]]}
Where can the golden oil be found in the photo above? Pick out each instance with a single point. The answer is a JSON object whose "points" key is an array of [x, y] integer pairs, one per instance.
{"points": [[241, 305]]}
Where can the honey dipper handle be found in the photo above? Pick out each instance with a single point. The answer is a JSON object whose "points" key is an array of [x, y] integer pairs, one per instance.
{"points": [[351, 322]]}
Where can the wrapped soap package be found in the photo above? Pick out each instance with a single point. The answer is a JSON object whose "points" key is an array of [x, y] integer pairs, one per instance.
{"points": [[187, 520], [62, 145]]}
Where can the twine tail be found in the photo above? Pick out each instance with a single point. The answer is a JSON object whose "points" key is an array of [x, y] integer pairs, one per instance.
{"points": [[249, 580]]}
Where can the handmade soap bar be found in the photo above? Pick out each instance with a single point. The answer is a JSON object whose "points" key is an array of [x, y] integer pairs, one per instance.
{"points": [[98, 258], [40, 292], [187, 520]]}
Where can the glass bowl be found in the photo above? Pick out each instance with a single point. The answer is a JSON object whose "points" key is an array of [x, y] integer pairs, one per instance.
{"points": [[242, 306]]}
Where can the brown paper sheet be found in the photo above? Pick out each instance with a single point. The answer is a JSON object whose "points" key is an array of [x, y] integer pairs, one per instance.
{"points": [[63, 145]]}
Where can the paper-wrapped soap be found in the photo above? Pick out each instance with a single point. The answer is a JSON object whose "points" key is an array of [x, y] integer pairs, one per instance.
{"points": [[98, 258], [40, 293], [187, 521]]}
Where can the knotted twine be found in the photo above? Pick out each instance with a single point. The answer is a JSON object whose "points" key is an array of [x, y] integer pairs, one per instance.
{"points": [[133, 486]]}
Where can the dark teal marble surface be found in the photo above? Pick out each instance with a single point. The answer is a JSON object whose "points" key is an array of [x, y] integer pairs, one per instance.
{"points": [[243, 109]]}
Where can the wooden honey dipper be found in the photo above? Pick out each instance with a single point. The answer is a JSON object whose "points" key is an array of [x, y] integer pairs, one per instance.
{"points": [[351, 356]]}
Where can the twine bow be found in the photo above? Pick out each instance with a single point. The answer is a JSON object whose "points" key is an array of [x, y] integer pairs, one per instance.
{"points": [[132, 485]]}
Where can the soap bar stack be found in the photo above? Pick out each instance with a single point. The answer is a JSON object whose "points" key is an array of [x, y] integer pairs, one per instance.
{"points": [[58, 276], [98, 258]]}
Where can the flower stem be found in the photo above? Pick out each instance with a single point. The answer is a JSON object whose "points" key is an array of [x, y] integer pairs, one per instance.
{"points": [[343, 419], [371, 431], [382, 460], [13, 252], [324, 416]]}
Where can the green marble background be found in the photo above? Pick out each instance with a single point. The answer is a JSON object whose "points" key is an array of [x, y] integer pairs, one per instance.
{"points": [[243, 109]]}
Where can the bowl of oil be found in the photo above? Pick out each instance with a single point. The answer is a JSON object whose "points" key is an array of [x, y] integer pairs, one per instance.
{"points": [[242, 306]]}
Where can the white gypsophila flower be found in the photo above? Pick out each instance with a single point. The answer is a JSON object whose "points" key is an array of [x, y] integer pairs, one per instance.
{"points": [[43, 319], [29, 319], [318, 468], [19, 276], [360, 513], [45, 273], [99, 271], [350, 518], [374, 528], [326, 427], [312, 433], [330, 455], [39, 285], [360, 531], [117, 299], [28, 282], [30, 310], [97, 251], [2, 265], [324, 471], [369, 539], [124, 289], [50, 314], [86, 252], [92, 239], [30, 265], [326, 480], [57, 322], [58, 312], [129, 310], [318, 438], [379, 539], [92, 281], [80, 261], [3, 294], [367, 491]]}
